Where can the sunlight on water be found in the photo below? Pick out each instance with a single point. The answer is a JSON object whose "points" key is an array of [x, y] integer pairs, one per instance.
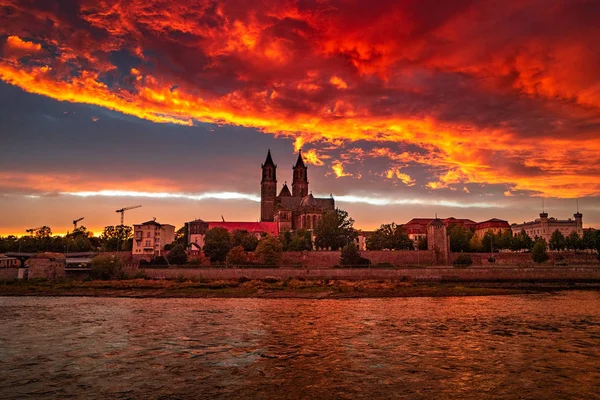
{"points": [[534, 346]]}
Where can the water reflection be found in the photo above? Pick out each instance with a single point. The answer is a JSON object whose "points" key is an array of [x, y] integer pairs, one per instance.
{"points": [[538, 346]]}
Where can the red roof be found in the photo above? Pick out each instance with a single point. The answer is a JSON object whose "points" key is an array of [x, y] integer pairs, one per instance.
{"points": [[493, 223], [419, 225], [253, 227]]}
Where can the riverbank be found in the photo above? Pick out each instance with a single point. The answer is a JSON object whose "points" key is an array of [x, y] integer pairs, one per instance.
{"points": [[281, 288]]}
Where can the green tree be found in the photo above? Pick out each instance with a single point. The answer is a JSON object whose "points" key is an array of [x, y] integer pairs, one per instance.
{"points": [[177, 255], [43, 232], [241, 237], [475, 244], [504, 239], [334, 230], [460, 238], [269, 251], [286, 239], [522, 241], [557, 241], [350, 256], [117, 237], [422, 243], [539, 253], [181, 236], [488, 242], [237, 256], [574, 242], [301, 241], [391, 237], [106, 267], [589, 239], [217, 243]]}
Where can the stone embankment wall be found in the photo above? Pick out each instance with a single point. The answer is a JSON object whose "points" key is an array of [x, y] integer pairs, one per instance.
{"points": [[524, 259], [433, 274], [8, 274], [329, 259]]}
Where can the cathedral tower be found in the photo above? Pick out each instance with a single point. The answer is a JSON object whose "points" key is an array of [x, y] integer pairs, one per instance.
{"points": [[300, 180], [268, 189]]}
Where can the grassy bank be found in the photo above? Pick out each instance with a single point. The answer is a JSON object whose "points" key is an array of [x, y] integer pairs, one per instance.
{"points": [[276, 288]]}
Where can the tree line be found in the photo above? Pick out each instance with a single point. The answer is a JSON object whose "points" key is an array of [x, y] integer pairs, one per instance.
{"points": [[112, 238]]}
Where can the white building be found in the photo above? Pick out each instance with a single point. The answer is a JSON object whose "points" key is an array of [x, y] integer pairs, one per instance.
{"points": [[150, 238], [544, 227]]}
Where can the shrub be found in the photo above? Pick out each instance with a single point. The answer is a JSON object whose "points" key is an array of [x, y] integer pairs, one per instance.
{"points": [[350, 257], [144, 262], [140, 275], [237, 256], [217, 243], [106, 267], [492, 260], [383, 265], [177, 255], [160, 260], [269, 251], [539, 254], [463, 260], [195, 261], [243, 279]]}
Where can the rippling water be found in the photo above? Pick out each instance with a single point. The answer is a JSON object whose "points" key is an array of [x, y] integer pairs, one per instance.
{"points": [[533, 346]]}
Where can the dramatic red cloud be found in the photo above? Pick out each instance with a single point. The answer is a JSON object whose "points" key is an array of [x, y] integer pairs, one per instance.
{"points": [[490, 92]]}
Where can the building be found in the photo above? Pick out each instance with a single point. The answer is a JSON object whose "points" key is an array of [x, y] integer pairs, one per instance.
{"points": [[150, 238], [493, 225], [293, 210], [8, 262], [544, 227], [416, 228], [197, 229]]}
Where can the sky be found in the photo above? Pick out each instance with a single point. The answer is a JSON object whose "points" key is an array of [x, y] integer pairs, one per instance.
{"points": [[402, 109]]}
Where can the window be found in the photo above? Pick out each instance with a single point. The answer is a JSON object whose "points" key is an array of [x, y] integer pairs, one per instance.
{"points": [[147, 243], [147, 234]]}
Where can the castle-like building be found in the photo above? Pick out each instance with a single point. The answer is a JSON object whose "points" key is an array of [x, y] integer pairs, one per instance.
{"points": [[544, 227], [293, 210]]}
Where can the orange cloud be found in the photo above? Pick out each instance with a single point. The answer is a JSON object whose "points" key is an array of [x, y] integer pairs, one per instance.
{"points": [[479, 97]]}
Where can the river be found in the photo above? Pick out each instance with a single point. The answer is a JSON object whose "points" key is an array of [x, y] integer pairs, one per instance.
{"points": [[542, 346]]}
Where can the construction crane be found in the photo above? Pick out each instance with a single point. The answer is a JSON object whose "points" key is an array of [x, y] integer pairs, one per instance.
{"points": [[75, 221], [122, 211]]}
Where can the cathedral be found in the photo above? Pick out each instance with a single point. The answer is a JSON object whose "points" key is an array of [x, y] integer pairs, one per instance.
{"points": [[290, 210]]}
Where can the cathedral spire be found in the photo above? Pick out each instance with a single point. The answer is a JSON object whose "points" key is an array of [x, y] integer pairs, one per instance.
{"points": [[269, 160], [300, 181], [300, 161]]}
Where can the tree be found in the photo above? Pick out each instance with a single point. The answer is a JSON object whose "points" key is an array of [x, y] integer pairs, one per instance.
{"points": [[539, 253], [217, 244], [422, 243], [391, 237], [301, 241], [112, 237], [237, 256], [334, 230], [181, 236], [43, 232], [106, 267], [177, 255], [574, 242], [475, 244], [241, 237], [488, 242], [557, 241], [459, 238], [350, 256], [521, 241], [504, 239], [588, 240], [269, 251]]}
